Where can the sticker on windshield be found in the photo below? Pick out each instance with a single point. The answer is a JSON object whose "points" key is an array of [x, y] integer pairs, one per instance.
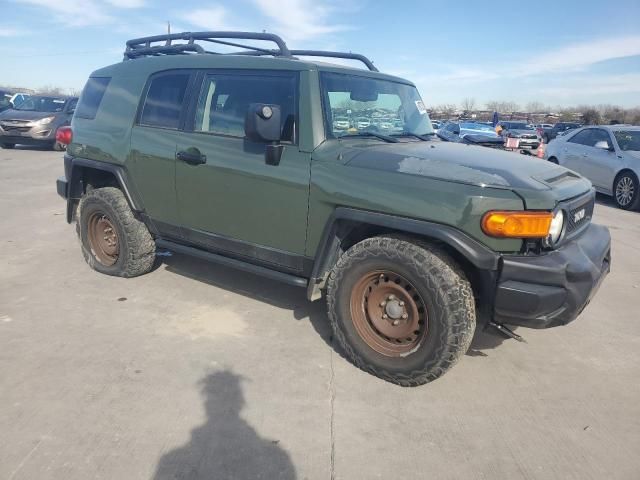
{"points": [[421, 108]]}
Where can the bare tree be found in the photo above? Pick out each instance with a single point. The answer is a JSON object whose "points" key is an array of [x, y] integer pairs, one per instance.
{"points": [[468, 104], [493, 105], [536, 107]]}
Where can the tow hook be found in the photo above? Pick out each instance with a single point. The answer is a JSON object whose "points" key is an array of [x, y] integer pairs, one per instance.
{"points": [[506, 331]]}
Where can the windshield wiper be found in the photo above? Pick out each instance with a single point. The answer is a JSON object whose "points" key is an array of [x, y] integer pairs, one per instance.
{"points": [[424, 137], [386, 138]]}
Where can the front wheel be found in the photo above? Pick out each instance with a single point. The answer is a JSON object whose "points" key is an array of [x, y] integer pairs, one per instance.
{"points": [[625, 191], [401, 310], [7, 146]]}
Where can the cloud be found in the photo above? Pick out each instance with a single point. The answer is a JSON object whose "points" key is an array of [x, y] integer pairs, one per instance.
{"points": [[299, 19], [127, 3], [11, 32], [594, 85], [581, 55], [212, 18], [82, 13]]}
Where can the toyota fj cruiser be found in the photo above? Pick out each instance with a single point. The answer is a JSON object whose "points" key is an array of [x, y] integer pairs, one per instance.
{"points": [[236, 158]]}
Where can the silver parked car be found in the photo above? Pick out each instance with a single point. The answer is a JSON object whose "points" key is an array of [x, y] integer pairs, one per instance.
{"points": [[36, 120], [609, 156]]}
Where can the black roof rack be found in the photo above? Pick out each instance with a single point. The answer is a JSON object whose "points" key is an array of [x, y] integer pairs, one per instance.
{"points": [[143, 46]]}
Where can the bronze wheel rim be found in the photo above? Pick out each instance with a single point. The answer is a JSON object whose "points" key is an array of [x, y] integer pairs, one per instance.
{"points": [[388, 313], [103, 239]]}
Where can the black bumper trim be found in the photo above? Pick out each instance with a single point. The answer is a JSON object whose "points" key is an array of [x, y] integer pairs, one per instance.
{"points": [[62, 187], [552, 289]]}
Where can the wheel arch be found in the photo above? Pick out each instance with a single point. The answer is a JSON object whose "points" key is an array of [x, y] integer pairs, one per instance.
{"points": [[83, 174], [347, 226]]}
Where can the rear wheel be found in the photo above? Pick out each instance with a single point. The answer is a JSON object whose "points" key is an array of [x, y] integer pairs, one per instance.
{"points": [[7, 146], [400, 310], [113, 241], [626, 191]]}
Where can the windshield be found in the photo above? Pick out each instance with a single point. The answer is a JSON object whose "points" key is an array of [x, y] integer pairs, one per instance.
{"points": [[477, 126], [359, 105], [519, 126], [42, 104], [628, 140]]}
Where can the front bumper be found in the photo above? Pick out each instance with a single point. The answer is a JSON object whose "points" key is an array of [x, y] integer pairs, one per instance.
{"points": [[34, 136], [541, 291]]}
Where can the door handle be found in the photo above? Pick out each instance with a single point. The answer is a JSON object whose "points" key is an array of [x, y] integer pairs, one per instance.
{"points": [[192, 156]]}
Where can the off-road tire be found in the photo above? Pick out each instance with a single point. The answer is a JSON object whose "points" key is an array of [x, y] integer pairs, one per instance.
{"points": [[7, 146], [439, 281], [634, 203], [136, 246]]}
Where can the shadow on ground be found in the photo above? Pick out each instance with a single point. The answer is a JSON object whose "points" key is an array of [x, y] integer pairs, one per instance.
{"points": [[286, 297], [225, 447]]}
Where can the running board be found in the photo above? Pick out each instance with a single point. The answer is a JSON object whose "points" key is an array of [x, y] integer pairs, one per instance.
{"points": [[232, 262]]}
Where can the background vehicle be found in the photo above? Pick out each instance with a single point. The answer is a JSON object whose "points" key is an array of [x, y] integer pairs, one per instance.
{"points": [[609, 156], [472, 133], [209, 155], [5, 102], [17, 98], [36, 121], [526, 134], [559, 128], [341, 123]]}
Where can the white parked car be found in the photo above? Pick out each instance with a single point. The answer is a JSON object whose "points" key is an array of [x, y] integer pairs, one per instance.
{"points": [[609, 156]]}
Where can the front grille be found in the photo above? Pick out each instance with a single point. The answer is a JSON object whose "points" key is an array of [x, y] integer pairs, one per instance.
{"points": [[13, 128], [579, 213], [529, 137]]}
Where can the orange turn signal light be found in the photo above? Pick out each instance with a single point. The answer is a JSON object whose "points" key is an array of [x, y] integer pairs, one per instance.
{"points": [[517, 224]]}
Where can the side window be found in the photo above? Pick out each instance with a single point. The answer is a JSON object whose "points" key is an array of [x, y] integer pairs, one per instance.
{"points": [[598, 135], [225, 98], [71, 106], [164, 100], [92, 97], [581, 138]]}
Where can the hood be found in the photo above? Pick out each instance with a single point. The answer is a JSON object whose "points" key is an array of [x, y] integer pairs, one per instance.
{"points": [[469, 164], [25, 115], [517, 131]]}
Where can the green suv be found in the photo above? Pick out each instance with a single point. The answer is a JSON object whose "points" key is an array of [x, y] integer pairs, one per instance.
{"points": [[238, 158]]}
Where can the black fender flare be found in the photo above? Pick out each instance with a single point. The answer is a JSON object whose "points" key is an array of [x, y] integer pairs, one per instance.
{"points": [[480, 256], [75, 189]]}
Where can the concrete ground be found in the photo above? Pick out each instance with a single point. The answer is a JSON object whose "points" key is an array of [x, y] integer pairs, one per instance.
{"points": [[195, 371]]}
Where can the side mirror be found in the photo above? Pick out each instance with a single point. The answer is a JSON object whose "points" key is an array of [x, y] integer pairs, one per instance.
{"points": [[262, 123], [603, 144]]}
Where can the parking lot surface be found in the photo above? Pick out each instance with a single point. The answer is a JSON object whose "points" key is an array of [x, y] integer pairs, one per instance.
{"points": [[196, 371]]}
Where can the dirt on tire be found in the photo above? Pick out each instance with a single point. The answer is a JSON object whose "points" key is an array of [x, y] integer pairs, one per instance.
{"points": [[136, 246], [437, 277]]}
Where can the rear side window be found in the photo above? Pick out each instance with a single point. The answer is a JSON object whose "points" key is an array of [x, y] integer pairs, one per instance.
{"points": [[91, 97], [164, 100], [581, 138]]}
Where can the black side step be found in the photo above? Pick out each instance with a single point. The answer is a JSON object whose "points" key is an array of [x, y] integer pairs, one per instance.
{"points": [[232, 262]]}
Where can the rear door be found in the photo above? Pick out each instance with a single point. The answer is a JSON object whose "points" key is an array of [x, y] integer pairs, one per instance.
{"points": [[234, 202], [600, 165], [572, 151], [153, 146]]}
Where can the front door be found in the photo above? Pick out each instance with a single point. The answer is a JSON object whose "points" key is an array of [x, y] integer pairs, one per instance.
{"points": [[234, 202], [601, 165]]}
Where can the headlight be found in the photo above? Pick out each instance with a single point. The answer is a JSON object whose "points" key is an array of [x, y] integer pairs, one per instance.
{"points": [[44, 121], [555, 230]]}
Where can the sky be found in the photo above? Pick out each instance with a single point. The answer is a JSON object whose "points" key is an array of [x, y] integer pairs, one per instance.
{"points": [[560, 53]]}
